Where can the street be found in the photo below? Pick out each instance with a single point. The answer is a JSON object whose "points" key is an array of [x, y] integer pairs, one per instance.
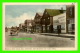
{"points": [[37, 40]]}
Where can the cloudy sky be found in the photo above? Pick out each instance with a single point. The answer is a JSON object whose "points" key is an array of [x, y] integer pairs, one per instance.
{"points": [[16, 14]]}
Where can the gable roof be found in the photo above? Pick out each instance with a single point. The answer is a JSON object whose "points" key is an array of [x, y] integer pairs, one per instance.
{"points": [[53, 12], [39, 14]]}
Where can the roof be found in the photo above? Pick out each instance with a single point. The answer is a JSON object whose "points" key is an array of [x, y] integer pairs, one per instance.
{"points": [[28, 20], [40, 14], [53, 12], [22, 24], [69, 5]]}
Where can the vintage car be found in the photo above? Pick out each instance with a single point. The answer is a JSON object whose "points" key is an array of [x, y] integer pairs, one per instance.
{"points": [[13, 32]]}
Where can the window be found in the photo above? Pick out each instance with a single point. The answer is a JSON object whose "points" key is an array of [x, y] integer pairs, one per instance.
{"points": [[43, 27], [70, 11], [63, 27], [45, 12], [69, 27], [55, 26], [47, 27], [48, 17]]}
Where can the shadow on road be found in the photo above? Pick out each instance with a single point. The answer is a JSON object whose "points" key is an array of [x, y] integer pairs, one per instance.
{"points": [[58, 35], [13, 35]]}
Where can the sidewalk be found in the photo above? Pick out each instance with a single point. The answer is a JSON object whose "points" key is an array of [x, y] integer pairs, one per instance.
{"points": [[60, 35]]}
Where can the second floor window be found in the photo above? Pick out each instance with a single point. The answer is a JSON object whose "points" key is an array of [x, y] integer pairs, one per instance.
{"points": [[48, 17], [71, 11]]}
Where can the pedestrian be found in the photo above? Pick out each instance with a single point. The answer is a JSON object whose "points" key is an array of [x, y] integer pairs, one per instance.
{"points": [[11, 32], [59, 29]]}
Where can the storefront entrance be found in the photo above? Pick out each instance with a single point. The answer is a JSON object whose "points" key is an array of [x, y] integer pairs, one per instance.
{"points": [[59, 29]]}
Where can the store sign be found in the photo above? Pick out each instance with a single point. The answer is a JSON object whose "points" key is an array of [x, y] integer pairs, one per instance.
{"points": [[59, 19]]}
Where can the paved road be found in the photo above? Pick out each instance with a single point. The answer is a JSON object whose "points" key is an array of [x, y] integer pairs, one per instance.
{"points": [[37, 41]]}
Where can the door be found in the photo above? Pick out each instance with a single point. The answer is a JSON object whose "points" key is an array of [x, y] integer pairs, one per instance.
{"points": [[59, 29]]}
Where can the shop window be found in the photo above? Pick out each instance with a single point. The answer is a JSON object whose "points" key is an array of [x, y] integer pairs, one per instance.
{"points": [[62, 27], [69, 27], [43, 27]]}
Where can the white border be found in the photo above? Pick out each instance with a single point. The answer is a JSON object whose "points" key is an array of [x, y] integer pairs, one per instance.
{"points": [[41, 48], [76, 26]]}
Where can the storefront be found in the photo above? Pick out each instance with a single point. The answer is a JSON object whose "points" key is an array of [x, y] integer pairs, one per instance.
{"points": [[38, 28], [71, 26], [59, 22], [70, 14]]}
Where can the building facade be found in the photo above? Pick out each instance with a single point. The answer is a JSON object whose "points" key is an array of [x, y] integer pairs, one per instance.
{"points": [[70, 14], [47, 20], [60, 20], [22, 27], [37, 20], [28, 25]]}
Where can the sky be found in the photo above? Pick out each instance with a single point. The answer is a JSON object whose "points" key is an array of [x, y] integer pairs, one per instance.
{"points": [[16, 14]]}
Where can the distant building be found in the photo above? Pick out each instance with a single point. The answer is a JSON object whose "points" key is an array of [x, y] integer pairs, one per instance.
{"points": [[22, 27], [28, 25], [6, 29], [25, 22]]}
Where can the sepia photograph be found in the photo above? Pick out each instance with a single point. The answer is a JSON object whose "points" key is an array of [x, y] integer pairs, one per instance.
{"points": [[40, 26]]}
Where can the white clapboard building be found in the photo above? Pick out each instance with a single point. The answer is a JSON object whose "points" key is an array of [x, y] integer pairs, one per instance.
{"points": [[60, 20]]}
